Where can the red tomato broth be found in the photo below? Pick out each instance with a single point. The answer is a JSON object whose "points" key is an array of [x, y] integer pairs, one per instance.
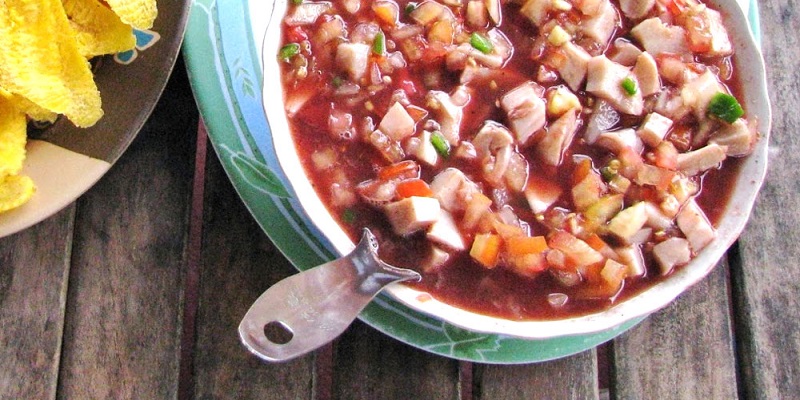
{"points": [[463, 282]]}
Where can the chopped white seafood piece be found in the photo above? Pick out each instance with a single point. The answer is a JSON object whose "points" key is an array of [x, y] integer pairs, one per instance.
{"points": [[449, 109], [654, 129], [542, 195], [352, 58], [628, 222], [436, 259], [738, 138], [694, 224], [428, 12], [590, 7], [625, 52], [646, 71], [671, 253], [670, 104], [656, 219], [715, 38], [412, 214], [573, 69], [495, 10], [494, 145], [445, 232], [601, 26], [698, 92], [307, 13], [516, 176], [397, 123], [605, 80], [502, 49], [615, 141], [477, 15], [603, 118], [696, 161], [536, 11], [525, 109], [635, 9], [657, 37], [453, 189], [352, 6], [558, 137], [423, 149], [631, 256]]}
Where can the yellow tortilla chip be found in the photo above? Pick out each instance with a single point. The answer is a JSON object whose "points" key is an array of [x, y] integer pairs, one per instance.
{"points": [[15, 190], [30, 109], [138, 13], [40, 60], [98, 29], [13, 134]]}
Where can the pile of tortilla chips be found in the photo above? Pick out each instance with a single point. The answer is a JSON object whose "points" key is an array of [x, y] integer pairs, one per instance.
{"points": [[45, 47]]}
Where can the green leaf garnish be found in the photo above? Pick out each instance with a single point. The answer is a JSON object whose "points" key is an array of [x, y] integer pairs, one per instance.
{"points": [[288, 51], [725, 107]]}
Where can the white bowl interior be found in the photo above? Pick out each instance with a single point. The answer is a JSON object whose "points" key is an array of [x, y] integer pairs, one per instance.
{"points": [[750, 67]]}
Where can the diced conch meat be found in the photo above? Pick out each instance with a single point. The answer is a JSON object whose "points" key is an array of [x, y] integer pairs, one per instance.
{"points": [[307, 12], [657, 37], [495, 10], [423, 149], [605, 80], [635, 9], [696, 161], [445, 232], [654, 129], [573, 69], [615, 141], [397, 123], [541, 194], [694, 224], [646, 71], [352, 59], [494, 145], [525, 109], [536, 10], [697, 93], [671, 253], [603, 118], [449, 111], [412, 214], [453, 189], [737, 138], [558, 136], [707, 34], [601, 26], [625, 52]]}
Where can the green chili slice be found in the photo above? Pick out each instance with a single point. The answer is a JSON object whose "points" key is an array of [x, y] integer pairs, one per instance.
{"points": [[629, 86], [481, 43], [725, 107], [288, 51], [440, 144], [379, 44], [410, 7]]}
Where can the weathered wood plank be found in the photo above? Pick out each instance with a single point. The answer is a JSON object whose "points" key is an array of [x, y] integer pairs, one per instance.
{"points": [[370, 365], [122, 330], [239, 263], [682, 352], [34, 270], [766, 277], [573, 377]]}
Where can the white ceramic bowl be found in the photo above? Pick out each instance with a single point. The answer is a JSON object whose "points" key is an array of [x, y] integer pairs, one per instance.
{"points": [[750, 66]]}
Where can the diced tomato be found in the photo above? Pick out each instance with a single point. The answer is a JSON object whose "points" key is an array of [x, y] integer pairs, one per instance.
{"points": [[578, 253], [698, 33], [676, 7], [521, 245], [486, 249], [666, 156], [476, 208], [387, 12], [398, 171], [295, 34], [413, 187]]}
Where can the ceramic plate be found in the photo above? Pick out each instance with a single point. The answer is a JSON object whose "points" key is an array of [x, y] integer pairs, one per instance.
{"points": [[222, 50], [65, 161]]}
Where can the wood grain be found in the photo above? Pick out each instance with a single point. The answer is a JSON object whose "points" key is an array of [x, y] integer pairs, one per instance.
{"points": [[122, 330], [682, 352], [573, 377], [370, 365], [239, 263], [766, 275], [34, 270]]}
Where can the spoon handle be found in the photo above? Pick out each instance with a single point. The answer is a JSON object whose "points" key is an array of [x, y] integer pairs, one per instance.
{"points": [[307, 310]]}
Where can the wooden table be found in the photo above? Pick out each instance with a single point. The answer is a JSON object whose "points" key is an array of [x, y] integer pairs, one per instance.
{"points": [[135, 291]]}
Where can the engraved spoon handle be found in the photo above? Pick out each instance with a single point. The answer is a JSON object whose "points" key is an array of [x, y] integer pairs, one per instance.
{"points": [[305, 311]]}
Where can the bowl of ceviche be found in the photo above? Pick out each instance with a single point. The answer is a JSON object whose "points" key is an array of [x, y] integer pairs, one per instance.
{"points": [[550, 167]]}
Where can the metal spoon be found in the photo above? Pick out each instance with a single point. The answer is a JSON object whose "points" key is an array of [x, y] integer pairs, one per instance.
{"points": [[305, 311]]}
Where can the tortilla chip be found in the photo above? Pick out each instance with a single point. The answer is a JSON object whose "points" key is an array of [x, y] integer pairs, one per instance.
{"points": [[15, 190], [13, 134], [98, 29], [138, 13], [40, 60]]}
